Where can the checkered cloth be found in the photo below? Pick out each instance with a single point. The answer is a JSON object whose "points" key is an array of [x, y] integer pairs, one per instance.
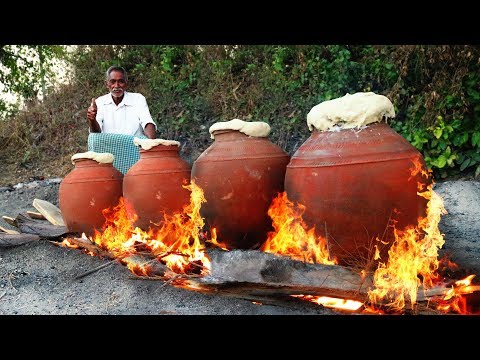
{"points": [[126, 153]]}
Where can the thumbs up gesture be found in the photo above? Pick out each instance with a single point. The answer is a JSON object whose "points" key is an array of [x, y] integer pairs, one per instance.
{"points": [[92, 111]]}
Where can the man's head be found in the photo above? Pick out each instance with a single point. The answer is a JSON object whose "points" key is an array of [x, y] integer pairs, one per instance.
{"points": [[116, 81]]}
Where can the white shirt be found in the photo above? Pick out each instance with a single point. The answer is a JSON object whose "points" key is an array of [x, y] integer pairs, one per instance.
{"points": [[129, 117]]}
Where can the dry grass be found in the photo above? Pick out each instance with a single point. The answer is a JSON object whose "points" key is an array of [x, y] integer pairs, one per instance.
{"points": [[40, 140]]}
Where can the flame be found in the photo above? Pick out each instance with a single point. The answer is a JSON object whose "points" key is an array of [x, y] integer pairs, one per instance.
{"points": [[291, 237], [331, 302], [413, 254], [176, 243], [214, 241], [453, 300], [67, 243]]}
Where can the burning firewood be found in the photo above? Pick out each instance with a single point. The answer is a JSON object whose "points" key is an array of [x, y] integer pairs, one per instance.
{"points": [[7, 240], [252, 274], [146, 266], [89, 246], [261, 273]]}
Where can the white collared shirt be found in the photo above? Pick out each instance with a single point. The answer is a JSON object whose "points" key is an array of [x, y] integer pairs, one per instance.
{"points": [[129, 117]]}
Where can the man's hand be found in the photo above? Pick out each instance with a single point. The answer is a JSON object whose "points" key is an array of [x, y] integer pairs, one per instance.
{"points": [[150, 131], [91, 116], [92, 111]]}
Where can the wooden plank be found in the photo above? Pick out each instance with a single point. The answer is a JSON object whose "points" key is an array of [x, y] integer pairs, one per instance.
{"points": [[36, 215], [8, 240], [9, 220], [50, 211], [8, 231]]}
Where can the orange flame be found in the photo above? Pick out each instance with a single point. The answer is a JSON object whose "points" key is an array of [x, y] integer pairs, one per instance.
{"points": [[291, 237], [67, 243], [176, 242], [331, 302], [214, 241], [453, 301], [412, 255]]}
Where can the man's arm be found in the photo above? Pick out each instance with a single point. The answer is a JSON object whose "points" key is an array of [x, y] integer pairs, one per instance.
{"points": [[150, 131], [149, 127], [91, 116]]}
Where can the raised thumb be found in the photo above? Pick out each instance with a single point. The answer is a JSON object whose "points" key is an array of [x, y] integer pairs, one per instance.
{"points": [[93, 104]]}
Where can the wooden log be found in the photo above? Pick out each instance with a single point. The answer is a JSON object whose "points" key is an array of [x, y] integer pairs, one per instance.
{"points": [[8, 231], [262, 273], [147, 266], [255, 273], [90, 246], [36, 215], [50, 211], [8, 240], [39, 227]]}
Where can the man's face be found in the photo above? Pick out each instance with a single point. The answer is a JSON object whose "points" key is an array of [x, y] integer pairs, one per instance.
{"points": [[116, 84]]}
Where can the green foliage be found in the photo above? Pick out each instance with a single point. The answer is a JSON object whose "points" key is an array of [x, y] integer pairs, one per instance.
{"points": [[24, 70], [438, 99], [435, 90]]}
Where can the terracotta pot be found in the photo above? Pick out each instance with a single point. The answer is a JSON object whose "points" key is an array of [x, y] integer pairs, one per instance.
{"points": [[240, 176], [87, 190], [355, 184], [152, 187]]}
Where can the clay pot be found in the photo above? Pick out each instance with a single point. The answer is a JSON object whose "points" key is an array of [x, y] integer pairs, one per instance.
{"points": [[240, 175], [87, 190], [152, 187], [355, 184]]}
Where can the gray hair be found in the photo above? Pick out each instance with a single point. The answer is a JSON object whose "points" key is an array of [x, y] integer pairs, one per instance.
{"points": [[116, 68]]}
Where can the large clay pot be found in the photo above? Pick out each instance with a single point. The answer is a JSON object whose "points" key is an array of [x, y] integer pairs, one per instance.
{"points": [[355, 185], [240, 175], [152, 187], [87, 190]]}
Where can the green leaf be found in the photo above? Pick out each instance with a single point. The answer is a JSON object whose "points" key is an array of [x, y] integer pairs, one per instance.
{"points": [[460, 139], [441, 161], [465, 164], [475, 156], [447, 152], [442, 144], [438, 133], [476, 138]]}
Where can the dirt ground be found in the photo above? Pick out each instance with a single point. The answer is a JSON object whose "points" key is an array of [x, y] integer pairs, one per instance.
{"points": [[38, 278]]}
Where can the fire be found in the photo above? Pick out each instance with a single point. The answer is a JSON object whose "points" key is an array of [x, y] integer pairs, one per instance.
{"points": [[179, 245], [412, 256], [176, 243], [453, 301], [331, 302], [214, 241], [67, 243], [291, 237]]}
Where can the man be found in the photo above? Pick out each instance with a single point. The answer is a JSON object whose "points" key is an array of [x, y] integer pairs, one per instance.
{"points": [[120, 112]]}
